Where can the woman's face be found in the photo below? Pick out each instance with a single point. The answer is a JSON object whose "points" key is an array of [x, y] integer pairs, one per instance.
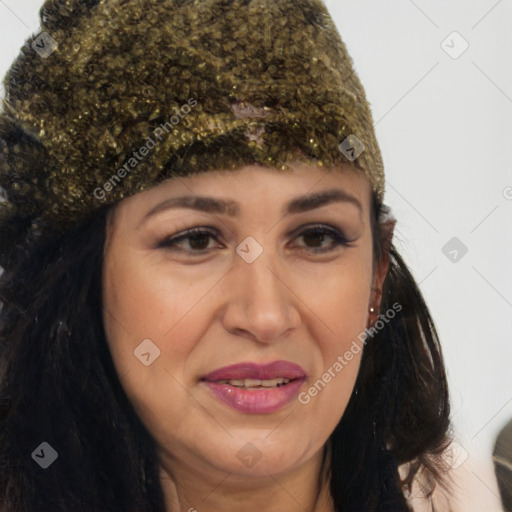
{"points": [[260, 283]]}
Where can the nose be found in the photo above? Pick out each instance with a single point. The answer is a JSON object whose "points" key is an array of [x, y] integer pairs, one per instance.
{"points": [[260, 303]]}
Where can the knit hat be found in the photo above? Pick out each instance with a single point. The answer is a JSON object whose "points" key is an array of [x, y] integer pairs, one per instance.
{"points": [[112, 97]]}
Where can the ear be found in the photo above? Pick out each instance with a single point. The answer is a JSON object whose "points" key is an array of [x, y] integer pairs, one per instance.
{"points": [[381, 269]]}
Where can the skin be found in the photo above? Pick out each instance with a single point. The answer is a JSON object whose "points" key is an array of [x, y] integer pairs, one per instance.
{"points": [[210, 310]]}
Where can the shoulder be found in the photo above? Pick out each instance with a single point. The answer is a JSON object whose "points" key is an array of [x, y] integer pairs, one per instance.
{"points": [[470, 485]]}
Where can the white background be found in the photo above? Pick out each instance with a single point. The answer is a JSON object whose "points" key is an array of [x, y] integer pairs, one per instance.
{"points": [[444, 128]]}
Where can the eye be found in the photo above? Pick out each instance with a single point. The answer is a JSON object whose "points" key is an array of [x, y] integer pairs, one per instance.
{"points": [[198, 239], [317, 234]]}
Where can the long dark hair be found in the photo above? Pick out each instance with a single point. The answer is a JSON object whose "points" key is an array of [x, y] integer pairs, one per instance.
{"points": [[399, 410], [58, 376]]}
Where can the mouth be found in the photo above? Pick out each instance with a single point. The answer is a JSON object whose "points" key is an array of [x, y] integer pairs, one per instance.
{"points": [[256, 389], [252, 371], [257, 383]]}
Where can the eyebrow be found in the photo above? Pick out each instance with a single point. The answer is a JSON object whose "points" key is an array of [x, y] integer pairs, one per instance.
{"points": [[227, 207]]}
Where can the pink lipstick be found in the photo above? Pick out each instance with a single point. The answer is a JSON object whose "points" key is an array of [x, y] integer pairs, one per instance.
{"points": [[255, 388]]}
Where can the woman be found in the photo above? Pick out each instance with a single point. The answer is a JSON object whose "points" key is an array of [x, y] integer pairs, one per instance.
{"points": [[202, 305]]}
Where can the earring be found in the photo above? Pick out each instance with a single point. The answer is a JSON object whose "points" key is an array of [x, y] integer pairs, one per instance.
{"points": [[372, 310]]}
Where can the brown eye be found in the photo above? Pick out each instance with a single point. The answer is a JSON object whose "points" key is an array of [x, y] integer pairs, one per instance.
{"points": [[315, 236], [198, 240]]}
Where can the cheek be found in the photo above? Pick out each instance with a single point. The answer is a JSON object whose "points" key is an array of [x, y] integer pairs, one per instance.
{"points": [[140, 305], [340, 296], [343, 302], [138, 301], [147, 300]]}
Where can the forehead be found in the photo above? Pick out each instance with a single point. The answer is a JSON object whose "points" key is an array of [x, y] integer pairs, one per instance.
{"points": [[250, 180], [256, 187]]}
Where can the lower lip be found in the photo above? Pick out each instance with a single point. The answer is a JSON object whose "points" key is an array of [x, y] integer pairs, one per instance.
{"points": [[256, 401]]}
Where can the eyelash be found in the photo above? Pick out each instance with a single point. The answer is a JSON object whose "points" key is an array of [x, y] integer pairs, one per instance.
{"points": [[338, 238]]}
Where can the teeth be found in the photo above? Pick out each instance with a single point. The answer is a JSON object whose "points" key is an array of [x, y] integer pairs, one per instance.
{"points": [[256, 383]]}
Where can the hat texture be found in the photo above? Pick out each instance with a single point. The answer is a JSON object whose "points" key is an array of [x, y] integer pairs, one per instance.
{"points": [[112, 97]]}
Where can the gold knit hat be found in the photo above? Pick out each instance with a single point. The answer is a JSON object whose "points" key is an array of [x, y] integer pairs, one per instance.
{"points": [[112, 97]]}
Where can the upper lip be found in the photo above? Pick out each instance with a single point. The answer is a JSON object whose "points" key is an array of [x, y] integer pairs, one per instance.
{"points": [[249, 370]]}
